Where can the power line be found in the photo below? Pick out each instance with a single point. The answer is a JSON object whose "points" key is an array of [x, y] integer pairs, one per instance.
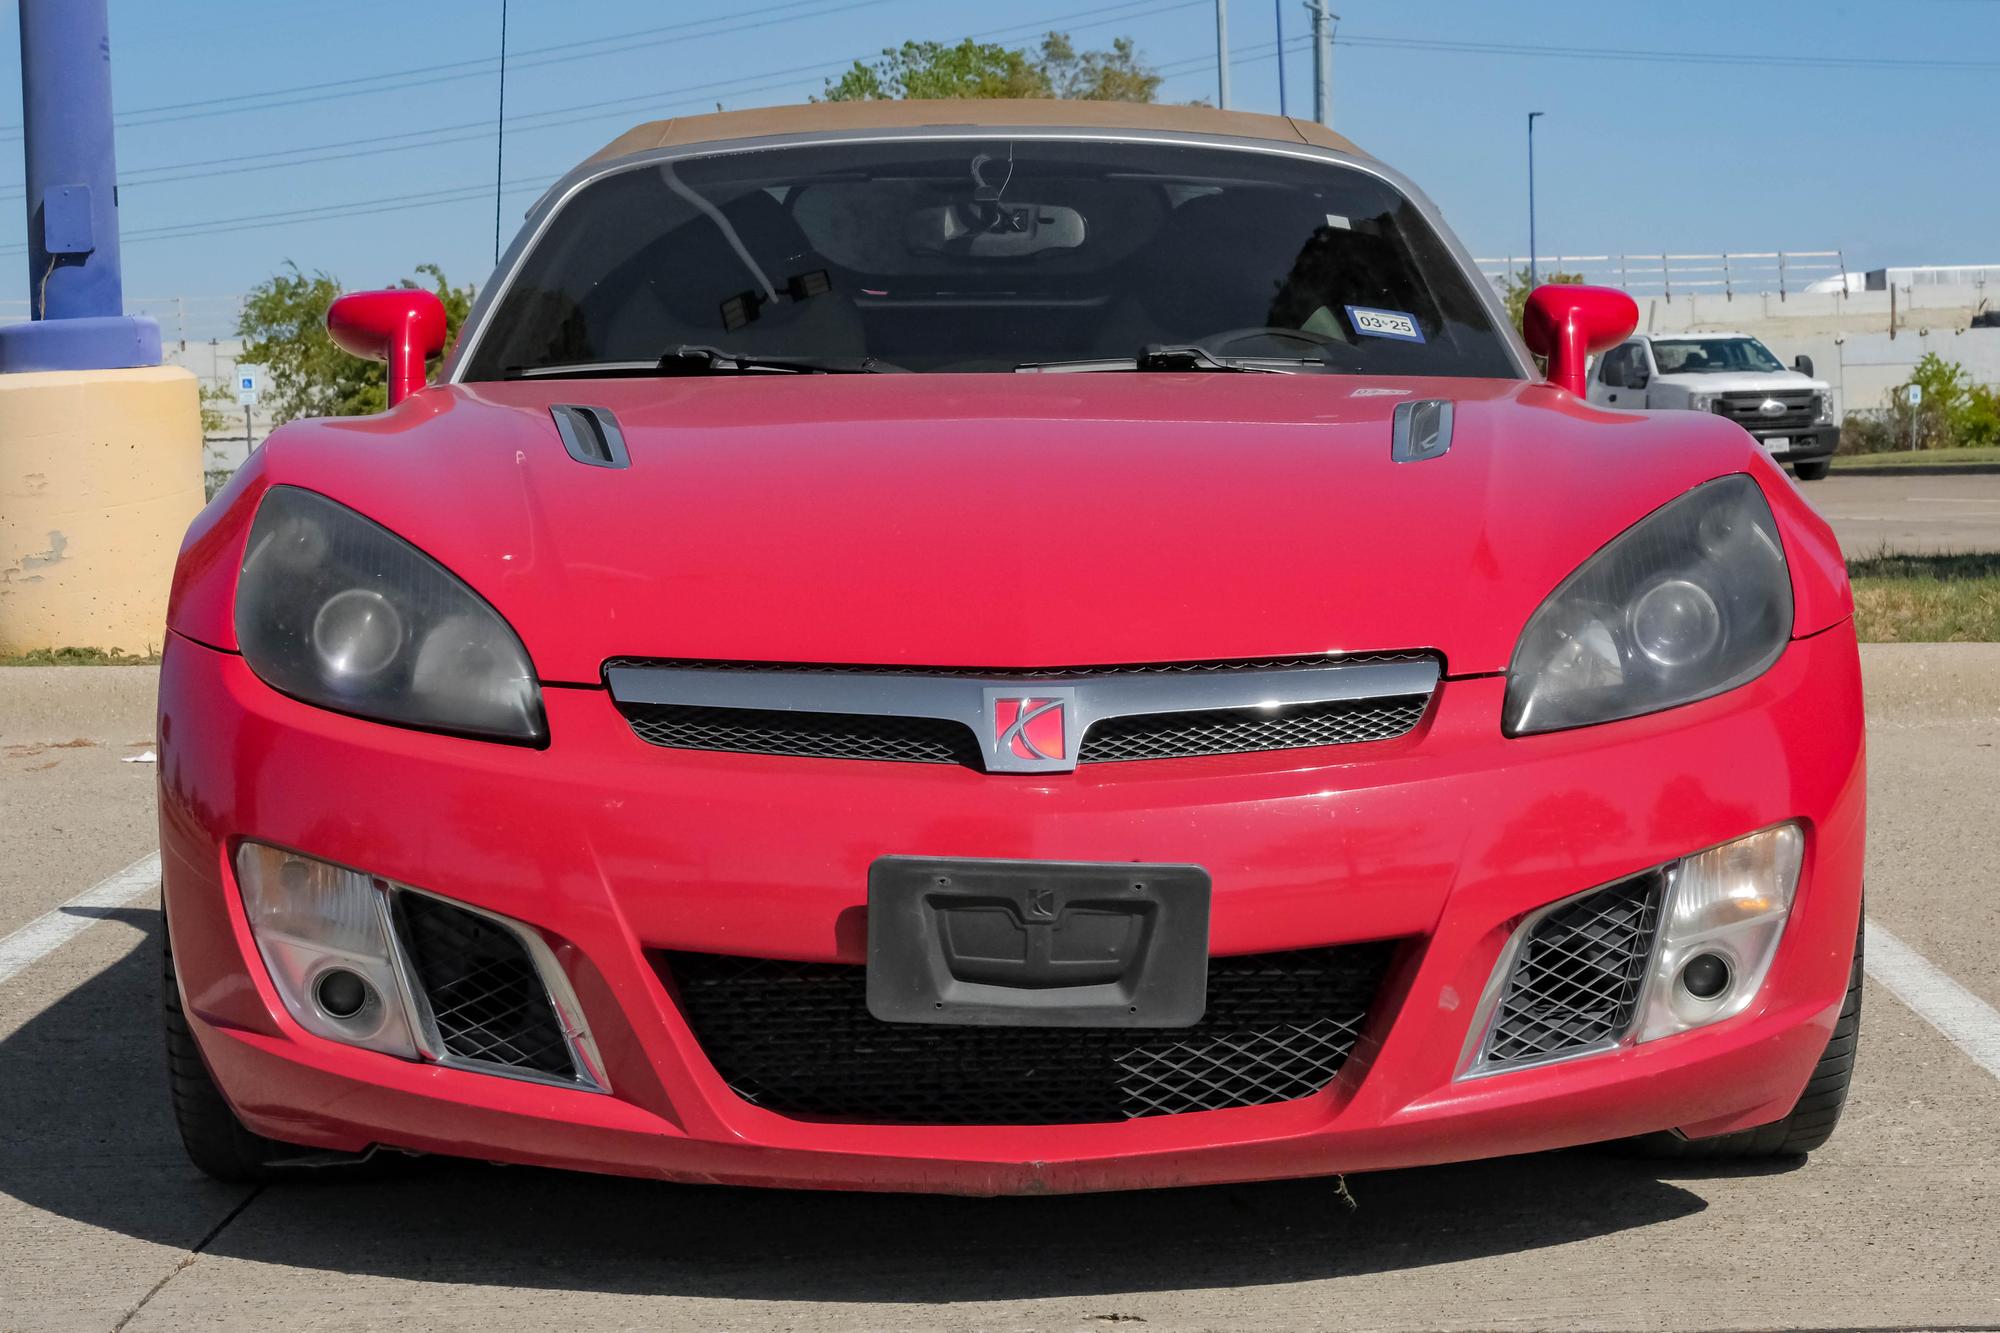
{"points": [[402, 78], [555, 117]]}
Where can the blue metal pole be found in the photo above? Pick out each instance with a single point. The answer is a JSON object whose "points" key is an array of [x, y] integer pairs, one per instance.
{"points": [[75, 287]]}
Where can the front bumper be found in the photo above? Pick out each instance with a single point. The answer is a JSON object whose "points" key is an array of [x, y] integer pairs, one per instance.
{"points": [[614, 849], [1803, 445]]}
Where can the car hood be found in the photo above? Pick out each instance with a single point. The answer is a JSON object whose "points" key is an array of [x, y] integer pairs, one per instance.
{"points": [[1024, 521], [1746, 381]]}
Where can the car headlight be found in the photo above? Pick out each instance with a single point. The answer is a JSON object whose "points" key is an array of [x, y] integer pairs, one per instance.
{"points": [[338, 611], [1692, 600]]}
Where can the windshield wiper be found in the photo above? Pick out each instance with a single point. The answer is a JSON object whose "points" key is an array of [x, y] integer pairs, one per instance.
{"points": [[1173, 356], [689, 359], [693, 359]]}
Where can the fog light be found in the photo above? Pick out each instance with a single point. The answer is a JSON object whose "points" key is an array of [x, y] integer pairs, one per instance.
{"points": [[1705, 976], [325, 936], [1724, 913], [342, 994]]}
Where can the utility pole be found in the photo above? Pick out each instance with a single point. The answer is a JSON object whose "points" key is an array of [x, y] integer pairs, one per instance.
{"points": [[500, 145], [1222, 54], [1534, 277], [1322, 29], [1284, 107]]}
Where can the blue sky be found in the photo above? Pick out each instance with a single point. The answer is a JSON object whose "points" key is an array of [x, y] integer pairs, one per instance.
{"points": [[1870, 131]]}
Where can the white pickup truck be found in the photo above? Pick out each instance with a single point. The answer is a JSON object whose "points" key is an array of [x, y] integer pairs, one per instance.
{"points": [[1732, 375]]}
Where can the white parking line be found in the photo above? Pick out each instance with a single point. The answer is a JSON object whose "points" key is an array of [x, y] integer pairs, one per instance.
{"points": [[51, 930], [1966, 1020]]}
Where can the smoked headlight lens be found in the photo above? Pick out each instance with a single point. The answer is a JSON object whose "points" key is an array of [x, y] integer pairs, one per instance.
{"points": [[1692, 600], [336, 610]]}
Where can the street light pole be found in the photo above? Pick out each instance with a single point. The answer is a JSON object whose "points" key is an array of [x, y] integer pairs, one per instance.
{"points": [[1533, 276], [1222, 54]]}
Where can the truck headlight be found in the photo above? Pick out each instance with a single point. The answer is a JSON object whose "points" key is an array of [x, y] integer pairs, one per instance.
{"points": [[1823, 409], [338, 611], [1692, 600], [1702, 402]]}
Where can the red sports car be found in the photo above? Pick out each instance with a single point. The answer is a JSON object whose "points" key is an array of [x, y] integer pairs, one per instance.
{"points": [[1003, 648]]}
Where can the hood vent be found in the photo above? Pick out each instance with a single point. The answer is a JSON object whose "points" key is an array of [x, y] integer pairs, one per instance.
{"points": [[1422, 430], [591, 435]]}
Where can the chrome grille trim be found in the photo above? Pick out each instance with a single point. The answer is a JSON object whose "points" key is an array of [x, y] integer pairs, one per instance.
{"points": [[969, 700]]}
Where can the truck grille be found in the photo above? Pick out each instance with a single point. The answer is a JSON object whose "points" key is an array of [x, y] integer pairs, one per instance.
{"points": [[1746, 410], [1578, 975], [797, 1039]]}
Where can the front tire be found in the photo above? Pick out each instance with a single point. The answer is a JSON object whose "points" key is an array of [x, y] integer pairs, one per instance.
{"points": [[1812, 469], [1812, 1119], [216, 1141]]}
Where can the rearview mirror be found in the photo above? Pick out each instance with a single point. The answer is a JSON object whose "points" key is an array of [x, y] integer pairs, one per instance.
{"points": [[404, 326], [1569, 324], [1803, 365]]}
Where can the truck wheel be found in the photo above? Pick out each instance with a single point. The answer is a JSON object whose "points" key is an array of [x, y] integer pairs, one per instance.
{"points": [[216, 1141], [1812, 1119], [1813, 469]]}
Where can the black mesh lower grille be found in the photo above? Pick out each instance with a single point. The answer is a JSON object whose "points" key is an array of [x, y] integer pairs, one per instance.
{"points": [[797, 1038], [1577, 979], [488, 1001], [909, 740], [1244, 731]]}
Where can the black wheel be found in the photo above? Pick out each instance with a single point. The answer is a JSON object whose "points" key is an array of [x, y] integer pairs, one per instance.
{"points": [[1812, 1119], [216, 1141], [1812, 469]]}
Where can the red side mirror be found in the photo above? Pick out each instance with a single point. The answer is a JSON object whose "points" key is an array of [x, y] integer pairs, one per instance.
{"points": [[404, 326], [1570, 324]]}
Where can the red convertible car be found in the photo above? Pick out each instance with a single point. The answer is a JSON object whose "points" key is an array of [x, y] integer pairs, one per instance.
{"points": [[1001, 648]]}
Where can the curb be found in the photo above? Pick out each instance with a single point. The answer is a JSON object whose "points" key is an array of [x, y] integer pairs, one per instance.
{"points": [[1919, 470]]}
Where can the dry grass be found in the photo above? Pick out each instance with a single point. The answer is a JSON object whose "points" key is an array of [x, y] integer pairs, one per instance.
{"points": [[1948, 598]]}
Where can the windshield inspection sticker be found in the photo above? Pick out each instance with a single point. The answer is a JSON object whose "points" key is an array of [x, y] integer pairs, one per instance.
{"points": [[1371, 323]]}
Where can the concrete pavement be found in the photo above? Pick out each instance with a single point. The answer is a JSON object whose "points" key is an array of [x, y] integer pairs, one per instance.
{"points": [[1909, 513], [105, 1225]]}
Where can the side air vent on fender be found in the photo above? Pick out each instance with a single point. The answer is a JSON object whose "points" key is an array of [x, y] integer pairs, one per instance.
{"points": [[591, 435]]}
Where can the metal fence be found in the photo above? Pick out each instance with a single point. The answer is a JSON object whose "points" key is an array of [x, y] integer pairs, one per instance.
{"points": [[1779, 272]]}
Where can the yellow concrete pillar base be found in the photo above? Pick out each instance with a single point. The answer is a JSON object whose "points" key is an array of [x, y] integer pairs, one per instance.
{"points": [[100, 474]]}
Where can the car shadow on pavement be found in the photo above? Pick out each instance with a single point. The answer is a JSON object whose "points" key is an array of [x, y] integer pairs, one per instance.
{"points": [[88, 1138]]}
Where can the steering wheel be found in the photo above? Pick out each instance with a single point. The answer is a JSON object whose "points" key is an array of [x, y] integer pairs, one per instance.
{"points": [[1324, 344]]}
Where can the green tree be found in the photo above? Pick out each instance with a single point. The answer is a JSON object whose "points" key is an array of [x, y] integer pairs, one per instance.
{"points": [[1515, 292], [1953, 412], [988, 69], [215, 403], [283, 327]]}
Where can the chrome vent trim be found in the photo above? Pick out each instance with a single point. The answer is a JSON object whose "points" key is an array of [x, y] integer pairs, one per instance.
{"points": [[591, 435]]}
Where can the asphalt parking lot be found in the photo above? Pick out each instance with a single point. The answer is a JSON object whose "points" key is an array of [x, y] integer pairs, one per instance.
{"points": [[1910, 514], [104, 1224]]}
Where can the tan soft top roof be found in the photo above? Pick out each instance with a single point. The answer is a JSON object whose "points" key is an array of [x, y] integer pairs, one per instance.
{"points": [[824, 116]]}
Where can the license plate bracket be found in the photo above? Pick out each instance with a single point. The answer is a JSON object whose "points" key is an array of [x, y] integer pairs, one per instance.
{"points": [[992, 943]]}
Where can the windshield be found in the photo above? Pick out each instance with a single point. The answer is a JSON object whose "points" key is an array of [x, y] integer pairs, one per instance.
{"points": [[1703, 356], [988, 255]]}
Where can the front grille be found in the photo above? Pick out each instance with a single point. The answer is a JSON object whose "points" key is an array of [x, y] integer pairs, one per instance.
{"points": [[1020, 673], [1176, 735], [797, 1039], [488, 1001], [1577, 978], [1801, 410], [909, 740]]}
